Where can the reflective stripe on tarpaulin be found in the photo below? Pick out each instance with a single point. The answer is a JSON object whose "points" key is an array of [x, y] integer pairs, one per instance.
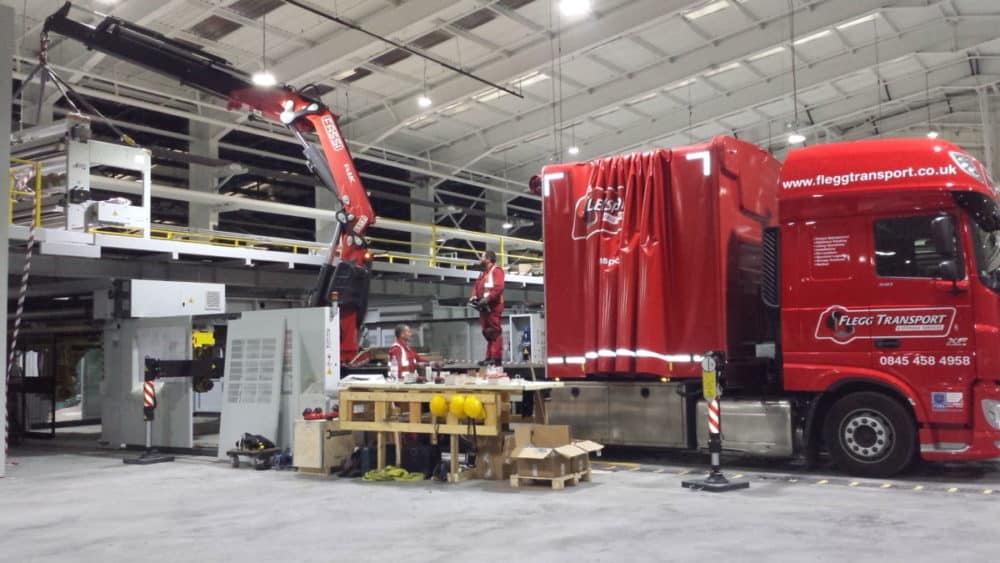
{"points": [[605, 353]]}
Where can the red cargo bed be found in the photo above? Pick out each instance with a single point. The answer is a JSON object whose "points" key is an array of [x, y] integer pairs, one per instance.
{"points": [[653, 258]]}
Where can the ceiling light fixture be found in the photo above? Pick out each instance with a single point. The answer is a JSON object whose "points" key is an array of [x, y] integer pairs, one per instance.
{"points": [[263, 77], [858, 21], [574, 7], [813, 37], [573, 150], [424, 100], [345, 74], [507, 225], [767, 53], [706, 10]]}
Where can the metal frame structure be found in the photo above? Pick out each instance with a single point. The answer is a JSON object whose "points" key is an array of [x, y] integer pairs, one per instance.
{"points": [[64, 150], [631, 75]]}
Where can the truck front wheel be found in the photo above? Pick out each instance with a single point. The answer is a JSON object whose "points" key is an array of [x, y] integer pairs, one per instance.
{"points": [[869, 434]]}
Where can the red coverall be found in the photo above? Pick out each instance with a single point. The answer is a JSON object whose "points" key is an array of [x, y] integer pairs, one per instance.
{"points": [[406, 358], [489, 288]]}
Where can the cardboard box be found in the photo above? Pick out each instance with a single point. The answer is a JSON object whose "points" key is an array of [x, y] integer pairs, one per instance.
{"points": [[548, 451], [494, 461]]}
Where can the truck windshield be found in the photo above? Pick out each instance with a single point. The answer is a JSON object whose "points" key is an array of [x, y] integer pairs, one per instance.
{"points": [[984, 222], [987, 249]]}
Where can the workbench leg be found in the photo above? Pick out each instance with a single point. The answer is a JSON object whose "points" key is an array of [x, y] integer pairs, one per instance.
{"points": [[541, 414], [453, 450], [380, 453], [398, 437]]}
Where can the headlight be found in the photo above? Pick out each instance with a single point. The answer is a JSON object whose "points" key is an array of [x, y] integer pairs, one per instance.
{"points": [[968, 165], [991, 410]]}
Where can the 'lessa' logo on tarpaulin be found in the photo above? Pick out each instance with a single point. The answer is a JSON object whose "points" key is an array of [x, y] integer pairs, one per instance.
{"points": [[843, 325], [599, 211]]}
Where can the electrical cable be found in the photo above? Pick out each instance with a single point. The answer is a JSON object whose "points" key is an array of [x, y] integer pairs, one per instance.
{"points": [[398, 45]]}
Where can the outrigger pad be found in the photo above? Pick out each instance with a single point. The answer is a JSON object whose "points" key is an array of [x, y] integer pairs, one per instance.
{"points": [[715, 484], [148, 458]]}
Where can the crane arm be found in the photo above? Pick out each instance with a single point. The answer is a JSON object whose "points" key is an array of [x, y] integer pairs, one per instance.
{"points": [[301, 114]]}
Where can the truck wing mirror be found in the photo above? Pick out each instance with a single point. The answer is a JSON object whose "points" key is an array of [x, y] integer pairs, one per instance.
{"points": [[943, 236], [949, 270]]}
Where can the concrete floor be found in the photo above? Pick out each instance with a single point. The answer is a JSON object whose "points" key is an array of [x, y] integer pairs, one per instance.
{"points": [[79, 504]]}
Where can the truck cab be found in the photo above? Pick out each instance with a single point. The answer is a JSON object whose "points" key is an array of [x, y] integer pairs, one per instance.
{"points": [[888, 287]]}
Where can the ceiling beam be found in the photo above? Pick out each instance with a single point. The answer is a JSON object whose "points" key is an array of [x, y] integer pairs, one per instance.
{"points": [[536, 56], [652, 78], [923, 37]]}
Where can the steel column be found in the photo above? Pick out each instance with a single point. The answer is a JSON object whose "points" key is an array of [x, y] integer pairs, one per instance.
{"points": [[6, 70]]}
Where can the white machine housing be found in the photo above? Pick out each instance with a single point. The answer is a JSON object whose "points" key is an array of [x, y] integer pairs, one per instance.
{"points": [[278, 363], [158, 298]]}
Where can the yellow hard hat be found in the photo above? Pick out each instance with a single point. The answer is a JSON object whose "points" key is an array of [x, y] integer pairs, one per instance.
{"points": [[458, 406], [439, 407], [474, 409]]}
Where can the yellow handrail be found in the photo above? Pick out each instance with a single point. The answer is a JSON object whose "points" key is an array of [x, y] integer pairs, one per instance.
{"points": [[16, 193], [304, 247]]}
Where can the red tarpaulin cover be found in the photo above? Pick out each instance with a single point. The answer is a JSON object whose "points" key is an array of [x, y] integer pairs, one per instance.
{"points": [[638, 251]]}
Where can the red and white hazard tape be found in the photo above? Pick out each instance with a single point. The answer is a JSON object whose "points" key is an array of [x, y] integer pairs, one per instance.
{"points": [[713, 416], [25, 274], [148, 395]]}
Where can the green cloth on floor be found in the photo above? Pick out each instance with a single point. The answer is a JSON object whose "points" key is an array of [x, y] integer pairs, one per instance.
{"points": [[392, 473]]}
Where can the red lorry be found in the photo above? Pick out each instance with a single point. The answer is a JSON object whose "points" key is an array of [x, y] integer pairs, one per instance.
{"points": [[854, 293]]}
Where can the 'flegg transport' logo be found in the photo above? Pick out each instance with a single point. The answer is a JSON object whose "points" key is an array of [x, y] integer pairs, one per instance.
{"points": [[599, 211], [843, 325]]}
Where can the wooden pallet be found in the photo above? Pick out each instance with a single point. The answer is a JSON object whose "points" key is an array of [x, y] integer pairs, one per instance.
{"points": [[557, 483]]}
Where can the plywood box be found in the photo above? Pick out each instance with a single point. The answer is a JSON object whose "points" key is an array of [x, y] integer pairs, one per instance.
{"points": [[494, 461], [320, 445]]}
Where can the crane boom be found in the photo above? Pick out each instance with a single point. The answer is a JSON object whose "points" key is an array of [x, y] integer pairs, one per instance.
{"points": [[348, 279]]}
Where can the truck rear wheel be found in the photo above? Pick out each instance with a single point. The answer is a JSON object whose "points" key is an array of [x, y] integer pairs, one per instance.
{"points": [[870, 434]]}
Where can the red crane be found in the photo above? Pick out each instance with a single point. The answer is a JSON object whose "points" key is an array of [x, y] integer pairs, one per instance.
{"points": [[344, 282]]}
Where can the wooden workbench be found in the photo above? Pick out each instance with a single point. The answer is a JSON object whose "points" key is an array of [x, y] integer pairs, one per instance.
{"points": [[372, 407]]}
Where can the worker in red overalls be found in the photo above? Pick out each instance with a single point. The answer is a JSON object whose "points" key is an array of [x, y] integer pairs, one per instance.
{"points": [[406, 358], [487, 297]]}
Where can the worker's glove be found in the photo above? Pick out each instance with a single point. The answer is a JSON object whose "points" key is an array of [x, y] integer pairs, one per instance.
{"points": [[474, 302]]}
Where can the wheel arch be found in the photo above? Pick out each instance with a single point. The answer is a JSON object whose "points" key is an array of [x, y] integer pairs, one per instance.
{"points": [[822, 403]]}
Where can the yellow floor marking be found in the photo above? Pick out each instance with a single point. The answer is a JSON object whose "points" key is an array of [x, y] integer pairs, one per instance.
{"points": [[659, 471], [988, 492], [918, 488], [823, 482], [624, 463], [853, 484], [737, 476], [953, 490], [886, 485]]}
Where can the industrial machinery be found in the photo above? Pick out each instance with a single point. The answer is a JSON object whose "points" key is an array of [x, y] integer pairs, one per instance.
{"points": [[342, 282], [853, 293]]}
